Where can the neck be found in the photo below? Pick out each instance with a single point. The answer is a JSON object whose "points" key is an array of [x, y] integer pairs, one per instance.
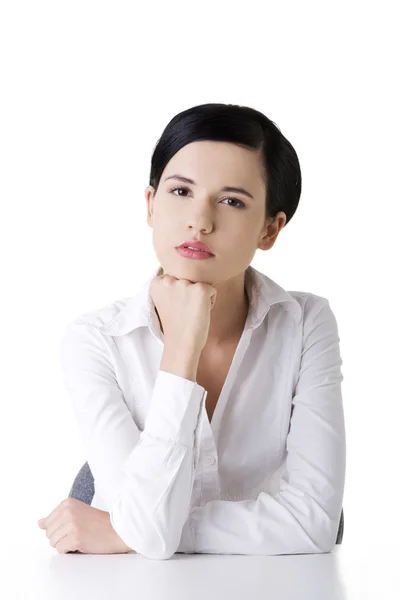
{"points": [[227, 319]]}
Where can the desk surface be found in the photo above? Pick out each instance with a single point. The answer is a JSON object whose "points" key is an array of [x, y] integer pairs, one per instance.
{"points": [[39, 572]]}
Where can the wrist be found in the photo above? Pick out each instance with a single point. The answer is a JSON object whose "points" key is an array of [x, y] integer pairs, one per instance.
{"points": [[182, 362], [117, 544]]}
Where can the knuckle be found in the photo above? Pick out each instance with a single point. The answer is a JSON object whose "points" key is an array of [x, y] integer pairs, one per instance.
{"points": [[70, 505]]}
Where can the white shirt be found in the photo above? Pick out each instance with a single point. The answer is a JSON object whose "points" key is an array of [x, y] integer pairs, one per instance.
{"points": [[265, 477]]}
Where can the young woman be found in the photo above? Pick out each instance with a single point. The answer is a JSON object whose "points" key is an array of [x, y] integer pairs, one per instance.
{"points": [[210, 403]]}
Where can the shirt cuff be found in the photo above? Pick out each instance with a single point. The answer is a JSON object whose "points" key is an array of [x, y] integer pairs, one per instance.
{"points": [[175, 409]]}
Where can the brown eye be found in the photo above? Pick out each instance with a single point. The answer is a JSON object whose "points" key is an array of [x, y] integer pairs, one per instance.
{"points": [[241, 204], [179, 188]]}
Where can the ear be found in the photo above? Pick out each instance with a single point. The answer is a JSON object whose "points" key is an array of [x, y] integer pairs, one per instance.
{"points": [[149, 195], [271, 231]]}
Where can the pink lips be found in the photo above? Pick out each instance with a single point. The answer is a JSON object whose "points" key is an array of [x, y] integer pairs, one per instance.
{"points": [[196, 254], [196, 244]]}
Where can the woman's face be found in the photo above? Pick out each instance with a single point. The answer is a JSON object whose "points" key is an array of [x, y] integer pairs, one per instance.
{"points": [[232, 228]]}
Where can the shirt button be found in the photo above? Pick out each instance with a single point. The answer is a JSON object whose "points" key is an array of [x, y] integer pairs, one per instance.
{"points": [[210, 460]]}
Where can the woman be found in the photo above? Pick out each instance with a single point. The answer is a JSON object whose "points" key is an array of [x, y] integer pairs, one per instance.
{"points": [[210, 403]]}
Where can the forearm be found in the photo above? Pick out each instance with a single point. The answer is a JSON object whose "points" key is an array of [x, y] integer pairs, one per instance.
{"points": [[183, 361], [116, 544]]}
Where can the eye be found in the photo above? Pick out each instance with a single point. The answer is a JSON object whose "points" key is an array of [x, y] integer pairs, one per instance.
{"points": [[179, 188], [241, 204]]}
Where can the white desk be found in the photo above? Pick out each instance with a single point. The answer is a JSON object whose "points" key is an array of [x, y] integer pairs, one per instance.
{"points": [[39, 572]]}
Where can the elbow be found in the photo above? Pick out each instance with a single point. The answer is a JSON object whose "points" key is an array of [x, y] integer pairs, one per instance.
{"points": [[167, 555], [323, 526], [165, 548], [325, 538], [163, 553], [326, 545], [156, 547], [162, 545]]}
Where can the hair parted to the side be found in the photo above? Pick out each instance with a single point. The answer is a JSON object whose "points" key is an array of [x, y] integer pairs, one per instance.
{"points": [[245, 127]]}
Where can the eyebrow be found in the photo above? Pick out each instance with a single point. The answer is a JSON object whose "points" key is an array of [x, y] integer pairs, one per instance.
{"points": [[238, 190]]}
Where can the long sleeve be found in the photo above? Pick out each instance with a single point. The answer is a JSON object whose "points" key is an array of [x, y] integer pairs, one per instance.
{"points": [[145, 478], [303, 516]]}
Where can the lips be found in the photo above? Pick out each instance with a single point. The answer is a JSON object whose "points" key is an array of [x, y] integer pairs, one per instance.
{"points": [[194, 254], [196, 244]]}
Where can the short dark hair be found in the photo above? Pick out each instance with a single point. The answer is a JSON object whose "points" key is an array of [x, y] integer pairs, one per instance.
{"points": [[245, 127]]}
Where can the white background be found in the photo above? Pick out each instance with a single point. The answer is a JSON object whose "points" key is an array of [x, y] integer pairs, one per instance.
{"points": [[86, 90]]}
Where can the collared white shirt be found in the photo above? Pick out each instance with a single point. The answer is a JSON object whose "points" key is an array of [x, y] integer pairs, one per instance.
{"points": [[265, 477]]}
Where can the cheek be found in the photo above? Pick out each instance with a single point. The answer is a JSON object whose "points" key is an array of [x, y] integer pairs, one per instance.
{"points": [[166, 217], [242, 238]]}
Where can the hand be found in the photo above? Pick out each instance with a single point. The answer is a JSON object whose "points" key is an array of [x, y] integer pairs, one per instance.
{"points": [[74, 526], [184, 310]]}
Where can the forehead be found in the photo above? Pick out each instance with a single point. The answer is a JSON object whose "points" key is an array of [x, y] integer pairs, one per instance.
{"points": [[217, 161]]}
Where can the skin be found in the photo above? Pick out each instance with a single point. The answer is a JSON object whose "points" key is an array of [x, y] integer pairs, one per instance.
{"points": [[74, 526], [203, 212]]}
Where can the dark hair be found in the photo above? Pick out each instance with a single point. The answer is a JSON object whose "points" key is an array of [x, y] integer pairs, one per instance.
{"points": [[245, 127]]}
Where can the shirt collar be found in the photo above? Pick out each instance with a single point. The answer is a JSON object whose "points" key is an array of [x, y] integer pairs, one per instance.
{"points": [[262, 291]]}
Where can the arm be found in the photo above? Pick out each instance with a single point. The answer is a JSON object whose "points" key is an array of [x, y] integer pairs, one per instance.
{"points": [[303, 516], [145, 478]]}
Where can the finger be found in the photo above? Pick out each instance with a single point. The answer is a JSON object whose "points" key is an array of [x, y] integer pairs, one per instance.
{"points": [[44, 523], [63, 522], [55, 514], [57, 527], [65, 545], [58, 535]]}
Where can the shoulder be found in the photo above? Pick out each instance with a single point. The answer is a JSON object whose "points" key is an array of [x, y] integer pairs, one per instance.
{"points": [[308, 300], [85, 330], [318, 320], [313, 307], [100, 316]]}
